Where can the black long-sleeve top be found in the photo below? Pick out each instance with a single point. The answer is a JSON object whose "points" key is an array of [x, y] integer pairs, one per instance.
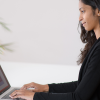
{"points": [[87, 87]]}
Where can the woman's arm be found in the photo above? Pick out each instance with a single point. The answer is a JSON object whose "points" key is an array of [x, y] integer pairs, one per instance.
{"points": [[85, 90], [62, 87]]}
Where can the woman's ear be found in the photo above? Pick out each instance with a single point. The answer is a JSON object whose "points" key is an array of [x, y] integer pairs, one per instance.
{"points": [[98, 12]]}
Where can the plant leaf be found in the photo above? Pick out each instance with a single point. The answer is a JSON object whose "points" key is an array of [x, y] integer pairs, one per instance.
{"points": [[4, 25], [4, 46]]}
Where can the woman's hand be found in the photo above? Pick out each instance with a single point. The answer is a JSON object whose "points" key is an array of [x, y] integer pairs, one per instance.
{"points": [[24, 94], [37, 87]]}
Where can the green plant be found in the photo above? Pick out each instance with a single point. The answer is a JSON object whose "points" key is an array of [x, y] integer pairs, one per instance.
{"points": [[4, 46], [4, 25]]}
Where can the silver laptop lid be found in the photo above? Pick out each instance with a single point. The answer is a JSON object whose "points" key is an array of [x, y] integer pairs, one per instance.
{"points": [[4, 84]]}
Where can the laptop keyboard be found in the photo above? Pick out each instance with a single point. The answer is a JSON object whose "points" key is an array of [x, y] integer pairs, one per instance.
{"points": [[7, 95]]}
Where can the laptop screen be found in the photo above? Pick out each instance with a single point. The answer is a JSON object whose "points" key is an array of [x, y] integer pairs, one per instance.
{"points": [[4, 84]]}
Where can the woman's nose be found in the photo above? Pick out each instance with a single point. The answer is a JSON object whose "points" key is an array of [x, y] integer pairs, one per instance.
{"points": [[80, 18]]}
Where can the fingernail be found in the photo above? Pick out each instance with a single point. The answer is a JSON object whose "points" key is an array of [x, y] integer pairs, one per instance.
{"points": [[10, 96]]}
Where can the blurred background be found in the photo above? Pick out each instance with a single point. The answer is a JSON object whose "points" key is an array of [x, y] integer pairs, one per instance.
{"points": [[42, 31]]}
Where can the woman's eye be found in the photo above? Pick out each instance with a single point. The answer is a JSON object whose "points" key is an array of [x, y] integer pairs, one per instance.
{"points": [[82, 11]]}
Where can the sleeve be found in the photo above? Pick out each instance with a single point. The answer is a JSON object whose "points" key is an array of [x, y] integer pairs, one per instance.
{"points": [[86, 88], [62, 87]]}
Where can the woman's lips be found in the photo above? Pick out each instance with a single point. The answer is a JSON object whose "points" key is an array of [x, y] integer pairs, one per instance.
{"points": [[84, 23]]}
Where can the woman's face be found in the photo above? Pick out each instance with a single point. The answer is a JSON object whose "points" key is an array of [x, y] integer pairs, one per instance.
{"points": [[87, 17]]}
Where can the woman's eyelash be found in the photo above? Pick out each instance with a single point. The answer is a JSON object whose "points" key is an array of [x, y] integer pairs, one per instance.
{"points": [[82, 11]]}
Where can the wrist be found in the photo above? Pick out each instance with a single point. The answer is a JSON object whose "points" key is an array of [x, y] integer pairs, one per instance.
{"points": [[46, 88]]}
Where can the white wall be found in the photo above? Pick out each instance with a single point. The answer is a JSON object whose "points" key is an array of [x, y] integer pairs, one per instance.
{"points": [[43, 31]]}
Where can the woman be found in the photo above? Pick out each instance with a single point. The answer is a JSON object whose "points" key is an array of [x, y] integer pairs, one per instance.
{"points": [[88, 85]]}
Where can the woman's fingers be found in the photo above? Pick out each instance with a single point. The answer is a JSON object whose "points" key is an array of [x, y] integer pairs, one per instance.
{"points": [[26, 86], [24, 94], [18, 96], [16, 92]]}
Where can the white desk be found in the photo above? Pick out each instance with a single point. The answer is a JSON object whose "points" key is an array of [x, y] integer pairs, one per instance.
{"points": [[19, 74]]}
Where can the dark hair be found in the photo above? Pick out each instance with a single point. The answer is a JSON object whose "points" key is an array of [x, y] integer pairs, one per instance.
{"points": [[88, 37]]}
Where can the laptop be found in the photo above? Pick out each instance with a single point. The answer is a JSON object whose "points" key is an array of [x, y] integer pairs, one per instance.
{"points": [[5, 88]]}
